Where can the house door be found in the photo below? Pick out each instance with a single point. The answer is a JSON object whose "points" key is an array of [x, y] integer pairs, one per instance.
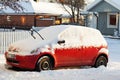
{"points": [[94, 21], [112, 20]]}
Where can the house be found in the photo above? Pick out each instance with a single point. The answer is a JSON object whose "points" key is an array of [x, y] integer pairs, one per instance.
{"points": [[51, 11], [28, 13], [106, 16], [20, 15]]}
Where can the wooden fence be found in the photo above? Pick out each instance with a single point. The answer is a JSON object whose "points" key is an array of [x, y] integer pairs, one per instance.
{"points": [[7, 36]]}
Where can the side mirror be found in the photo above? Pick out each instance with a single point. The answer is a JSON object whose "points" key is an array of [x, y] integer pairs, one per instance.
{"points": [[61, 42]]}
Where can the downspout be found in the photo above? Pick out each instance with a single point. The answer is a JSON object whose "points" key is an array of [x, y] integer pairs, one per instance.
{"points": [[118, 24], [97, 19], [35, 20]]}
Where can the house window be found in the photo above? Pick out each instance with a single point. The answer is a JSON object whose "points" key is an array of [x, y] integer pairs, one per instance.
{"points": [[45, 18], [57, 22], [65, 20], [23, 20], [112, 20]]}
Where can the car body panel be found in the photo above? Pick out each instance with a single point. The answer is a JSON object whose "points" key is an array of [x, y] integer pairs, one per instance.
{"points": [[68, 57], [20, 61], [75, 50]]}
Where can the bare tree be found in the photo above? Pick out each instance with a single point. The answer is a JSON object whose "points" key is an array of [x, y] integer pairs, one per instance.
{"points": [[13, 4], [75, 6]]}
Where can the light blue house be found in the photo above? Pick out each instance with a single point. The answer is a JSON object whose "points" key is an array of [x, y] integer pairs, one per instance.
{"points": [[106, 16]]}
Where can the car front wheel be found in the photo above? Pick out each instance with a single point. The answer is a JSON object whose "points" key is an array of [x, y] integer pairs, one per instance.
{"points": [[101, 60], [44, 63]]}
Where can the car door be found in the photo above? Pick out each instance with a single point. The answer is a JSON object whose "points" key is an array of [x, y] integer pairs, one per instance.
{"points": [[89, 54], [69, 52], [68, 56], [91, 46]]}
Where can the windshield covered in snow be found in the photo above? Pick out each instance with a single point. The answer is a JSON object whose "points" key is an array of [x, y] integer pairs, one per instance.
{"points": [[51, 32]]}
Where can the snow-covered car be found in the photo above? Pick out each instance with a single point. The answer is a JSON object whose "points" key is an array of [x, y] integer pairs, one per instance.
{"points": [[62, 45]]}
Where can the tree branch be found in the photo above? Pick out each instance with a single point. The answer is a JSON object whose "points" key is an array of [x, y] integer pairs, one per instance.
{"points": [[66, 9]]}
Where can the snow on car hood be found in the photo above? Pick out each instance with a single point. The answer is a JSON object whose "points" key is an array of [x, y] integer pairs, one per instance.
{"points": [[28, 45], [50, 35]]}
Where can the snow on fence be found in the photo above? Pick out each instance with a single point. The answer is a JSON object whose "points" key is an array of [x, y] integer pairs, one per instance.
{"points": [[7, 36]]}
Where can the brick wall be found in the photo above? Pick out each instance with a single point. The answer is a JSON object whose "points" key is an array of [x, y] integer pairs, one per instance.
{"points": [[18, 21], [25, 21], [44, 22]]}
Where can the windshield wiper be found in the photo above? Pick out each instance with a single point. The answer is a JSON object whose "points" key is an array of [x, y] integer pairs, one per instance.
{"points": [[33, 30]]}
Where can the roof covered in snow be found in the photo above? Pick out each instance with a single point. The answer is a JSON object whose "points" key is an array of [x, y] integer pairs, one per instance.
{"points": [[50, 8], [114, 3], [31, 6], [17, 7]]}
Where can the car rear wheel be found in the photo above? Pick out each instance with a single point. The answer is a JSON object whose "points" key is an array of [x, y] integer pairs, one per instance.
{"points": [[44, 63], [101, 60]]}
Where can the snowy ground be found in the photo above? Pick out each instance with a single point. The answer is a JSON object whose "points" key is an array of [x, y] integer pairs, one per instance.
{"points": [[112, 72]]}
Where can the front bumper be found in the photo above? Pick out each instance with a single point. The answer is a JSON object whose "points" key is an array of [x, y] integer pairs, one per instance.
{"points": [[21, 61]]}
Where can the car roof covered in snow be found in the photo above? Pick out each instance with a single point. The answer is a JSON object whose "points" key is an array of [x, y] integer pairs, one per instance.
{"points": [[88, 36]]}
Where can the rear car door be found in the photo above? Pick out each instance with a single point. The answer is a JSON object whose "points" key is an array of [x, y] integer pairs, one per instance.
{"points": [[89, 55]]}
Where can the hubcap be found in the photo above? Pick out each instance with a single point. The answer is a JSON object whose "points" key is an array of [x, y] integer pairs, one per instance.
{"points": [[45, 65], [101, 62]]}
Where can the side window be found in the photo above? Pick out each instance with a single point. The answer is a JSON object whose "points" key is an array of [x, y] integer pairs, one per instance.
{"points": [[71, 37]]}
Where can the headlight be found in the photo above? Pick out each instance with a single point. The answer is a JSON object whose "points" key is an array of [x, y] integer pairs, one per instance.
{"points": [[12, 56], [13, 49]]}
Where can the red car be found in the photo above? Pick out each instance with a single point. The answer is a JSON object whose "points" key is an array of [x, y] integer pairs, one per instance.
{"points": [[60, 46]]}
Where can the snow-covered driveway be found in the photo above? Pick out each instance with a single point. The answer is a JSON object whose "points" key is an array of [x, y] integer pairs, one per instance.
{"points": [[112, 72]]}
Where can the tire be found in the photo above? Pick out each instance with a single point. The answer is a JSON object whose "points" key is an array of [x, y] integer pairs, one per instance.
{"points": [[44, 63], [101, 60]]}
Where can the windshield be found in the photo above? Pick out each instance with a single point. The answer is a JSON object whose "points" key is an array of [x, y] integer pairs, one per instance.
{"points": [[50, 33]]}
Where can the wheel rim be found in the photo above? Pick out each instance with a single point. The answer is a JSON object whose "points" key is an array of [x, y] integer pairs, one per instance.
{"points": [[101, 61], [45, 65]]}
